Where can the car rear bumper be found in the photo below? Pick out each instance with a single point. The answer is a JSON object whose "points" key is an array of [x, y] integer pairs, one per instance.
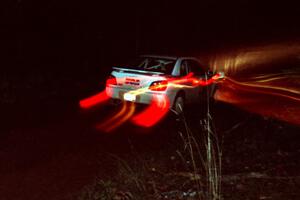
{"points": [[144, 97]]}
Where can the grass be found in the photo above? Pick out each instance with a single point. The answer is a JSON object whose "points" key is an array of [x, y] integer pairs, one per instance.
{"points": [[203, 149], [213, 158], [99, 190]]}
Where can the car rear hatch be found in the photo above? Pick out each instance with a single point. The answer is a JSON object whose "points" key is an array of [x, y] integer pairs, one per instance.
{"points": [[132, 79]]}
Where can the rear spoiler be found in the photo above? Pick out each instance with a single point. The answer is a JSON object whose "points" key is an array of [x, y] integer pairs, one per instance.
{"points": [[144, 72]]}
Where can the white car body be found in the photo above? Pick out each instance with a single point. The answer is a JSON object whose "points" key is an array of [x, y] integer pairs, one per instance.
{"points": [[133, 83]]}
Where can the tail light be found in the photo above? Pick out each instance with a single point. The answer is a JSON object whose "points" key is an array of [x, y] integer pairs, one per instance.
{"points": [[159, 85], [111, 80]]}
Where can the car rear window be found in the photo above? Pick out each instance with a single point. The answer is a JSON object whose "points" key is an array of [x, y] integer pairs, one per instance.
{"points": [[163, 65]]}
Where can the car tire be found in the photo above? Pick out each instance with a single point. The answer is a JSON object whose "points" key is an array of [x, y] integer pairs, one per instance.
{"points": [[179, 105]]}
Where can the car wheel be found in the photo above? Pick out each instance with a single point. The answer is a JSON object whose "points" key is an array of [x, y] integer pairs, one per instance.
{"points": [[179, 105]]}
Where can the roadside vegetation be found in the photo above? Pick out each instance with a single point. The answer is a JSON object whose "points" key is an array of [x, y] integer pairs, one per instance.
{"points": [[192, 171], [254, 158]]}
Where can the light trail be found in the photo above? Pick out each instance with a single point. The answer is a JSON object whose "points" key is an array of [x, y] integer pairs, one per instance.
{"points": [[280, 104], [264, 80], [118, 119], [253, 59], [267, 89], [153, 113], [94, 100]]}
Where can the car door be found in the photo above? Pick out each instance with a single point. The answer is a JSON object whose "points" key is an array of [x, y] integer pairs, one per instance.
{"points": [[183, 71], [199, 73]]}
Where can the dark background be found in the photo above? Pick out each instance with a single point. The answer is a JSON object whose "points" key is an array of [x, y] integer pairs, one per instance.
{"points": [[66, 48], [54, 53], [90, 34]]}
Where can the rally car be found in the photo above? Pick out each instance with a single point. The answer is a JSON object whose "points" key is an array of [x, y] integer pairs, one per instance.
{"points": [[182, 80]]}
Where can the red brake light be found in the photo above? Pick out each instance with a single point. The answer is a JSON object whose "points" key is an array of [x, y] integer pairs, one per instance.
{"points": [[159, 85], [111, 80]]}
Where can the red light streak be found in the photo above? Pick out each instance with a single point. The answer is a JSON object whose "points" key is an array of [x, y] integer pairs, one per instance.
{"points": [[268, 89], [154, 113], [201, 82], [264, 95], [94, 100], [195, 81], [122, 116], [159, 85], [262, 80], [111, 80]]}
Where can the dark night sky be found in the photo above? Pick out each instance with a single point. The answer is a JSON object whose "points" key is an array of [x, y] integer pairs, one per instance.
{"points": [[65, 34]]}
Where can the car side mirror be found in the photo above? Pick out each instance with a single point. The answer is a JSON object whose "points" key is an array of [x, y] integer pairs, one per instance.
{"points": [[210, 73]]}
